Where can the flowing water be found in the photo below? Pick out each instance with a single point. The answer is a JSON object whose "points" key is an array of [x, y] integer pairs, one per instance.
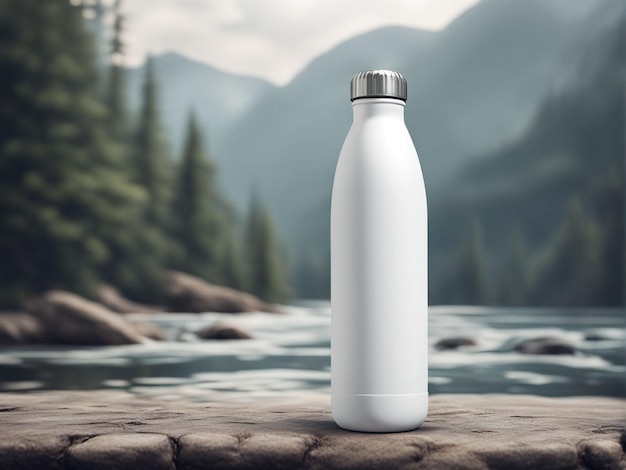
{"points": [[291, 354]]}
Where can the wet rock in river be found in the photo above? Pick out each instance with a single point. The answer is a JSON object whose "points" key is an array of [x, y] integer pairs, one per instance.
{"points": [[596, 336], [455, 342], [545, 345], [223, 330], [67, 318], [186, 293]]}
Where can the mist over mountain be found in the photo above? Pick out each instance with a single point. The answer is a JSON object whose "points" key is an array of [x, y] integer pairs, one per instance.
{"points": [[217, 97]]}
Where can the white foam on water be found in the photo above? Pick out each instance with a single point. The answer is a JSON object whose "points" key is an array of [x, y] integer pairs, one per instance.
{"points": [[532, 378]]}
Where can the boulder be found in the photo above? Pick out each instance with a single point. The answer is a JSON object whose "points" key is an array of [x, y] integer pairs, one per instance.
{"points": [[67, 318], [186, 293], [455, 342], [19, 328], [111, 298], [223, 330], [122, 451], [149, 330], [545, 345], [596, 336]]}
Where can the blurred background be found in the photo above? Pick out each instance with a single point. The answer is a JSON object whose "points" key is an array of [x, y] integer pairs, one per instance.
{"points": [[144, 139]]}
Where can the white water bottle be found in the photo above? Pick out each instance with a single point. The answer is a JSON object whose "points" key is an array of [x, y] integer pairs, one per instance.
{"points": [[379, 268]]}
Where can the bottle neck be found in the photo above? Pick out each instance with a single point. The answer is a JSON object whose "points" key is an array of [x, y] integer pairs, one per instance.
{"points": [[365, 108]]}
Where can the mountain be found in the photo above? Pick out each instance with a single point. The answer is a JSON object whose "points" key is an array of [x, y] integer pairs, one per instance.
{"points": [[472, 87], [475, 90], [218, 97], [287, 145], [571, 155]]}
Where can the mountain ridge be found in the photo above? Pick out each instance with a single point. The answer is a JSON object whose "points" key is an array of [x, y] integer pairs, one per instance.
{"points": [[571, 156], [472, 87], [216, 96]]}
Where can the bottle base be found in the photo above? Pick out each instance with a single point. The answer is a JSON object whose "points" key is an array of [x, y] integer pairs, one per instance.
{"points": [[379, 413]]}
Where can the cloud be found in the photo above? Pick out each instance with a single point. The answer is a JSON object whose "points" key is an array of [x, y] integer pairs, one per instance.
{"points": [[274, 39]]}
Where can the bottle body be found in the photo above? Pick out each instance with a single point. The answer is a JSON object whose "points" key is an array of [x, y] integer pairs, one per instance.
{"points": [[379, 275]]}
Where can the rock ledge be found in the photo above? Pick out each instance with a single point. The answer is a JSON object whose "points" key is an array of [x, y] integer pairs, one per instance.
{"points": [[114, 430]]}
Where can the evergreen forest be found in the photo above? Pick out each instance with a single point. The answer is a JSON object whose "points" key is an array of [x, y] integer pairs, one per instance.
{"points": [[92, 193]]}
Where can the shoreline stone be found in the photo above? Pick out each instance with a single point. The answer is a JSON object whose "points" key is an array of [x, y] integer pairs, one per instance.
{"points": [[187, 293], [17, 328], [112, 429], [70, 319]]}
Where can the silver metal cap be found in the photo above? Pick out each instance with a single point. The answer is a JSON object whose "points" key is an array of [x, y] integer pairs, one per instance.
{"points": [[378, 84]]}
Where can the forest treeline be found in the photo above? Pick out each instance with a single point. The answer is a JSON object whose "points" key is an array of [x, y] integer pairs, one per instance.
{"points": [[90, 193]]}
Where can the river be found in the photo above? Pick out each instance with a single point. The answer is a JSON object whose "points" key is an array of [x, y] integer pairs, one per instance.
{"points": [[290, 354]]}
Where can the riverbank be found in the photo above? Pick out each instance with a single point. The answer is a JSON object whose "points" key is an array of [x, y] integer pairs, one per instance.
{"points": [[116, 430]]}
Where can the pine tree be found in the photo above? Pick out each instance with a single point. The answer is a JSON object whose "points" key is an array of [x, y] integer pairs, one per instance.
{"points": [[152, 167], [612, 250], [515, 278], [66, 211], [477, 270], [231, 265], [198, 226], [311, 276], [115, 98], [266, 270], [469, 283], [142, 273], [568, 272], [94, 19]]}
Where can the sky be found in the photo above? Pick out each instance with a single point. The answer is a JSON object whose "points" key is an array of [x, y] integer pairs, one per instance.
{"points": [[272, 39]]}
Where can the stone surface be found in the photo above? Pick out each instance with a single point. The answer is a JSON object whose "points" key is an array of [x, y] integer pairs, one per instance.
{"points": [[186, 293], [600, 453], [243, 450], [92, 430], [124, 451], [26, 453], [67, 318]]}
